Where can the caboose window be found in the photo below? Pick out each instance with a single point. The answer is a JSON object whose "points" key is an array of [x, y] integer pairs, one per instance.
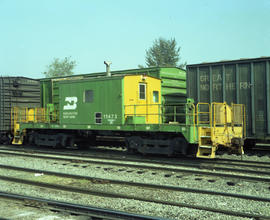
{"points": [[155, 96], [88, 96], [142, 91], [98, 117]]}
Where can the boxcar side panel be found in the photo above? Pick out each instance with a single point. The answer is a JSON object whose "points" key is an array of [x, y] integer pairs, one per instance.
{"points": [[16, 92], [238, 81]]}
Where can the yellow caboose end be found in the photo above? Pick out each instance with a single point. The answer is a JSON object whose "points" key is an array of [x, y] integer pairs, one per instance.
{"points": [[220, 125]]}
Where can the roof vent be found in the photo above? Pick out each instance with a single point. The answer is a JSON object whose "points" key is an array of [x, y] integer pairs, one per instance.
{"points": [[108, 69]]}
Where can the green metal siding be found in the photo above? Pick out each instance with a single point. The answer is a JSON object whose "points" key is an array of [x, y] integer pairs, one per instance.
{"points": [[173, 85], [189, 132], [55, 94], [46, 92], [107, 100]]}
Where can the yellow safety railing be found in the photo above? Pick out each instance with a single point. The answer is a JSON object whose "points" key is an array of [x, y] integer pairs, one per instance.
{"points": [[225, 115], [203, 113], [160, 114], [217, 115], [220, 114], [32, 115], [182, 114], [239, 117]]}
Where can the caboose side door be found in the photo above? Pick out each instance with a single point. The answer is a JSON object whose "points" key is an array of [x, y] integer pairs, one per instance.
{"points": [[143, 100]]}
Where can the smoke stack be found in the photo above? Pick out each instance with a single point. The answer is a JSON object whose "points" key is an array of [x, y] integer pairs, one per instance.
{"points": [[108, 69]]}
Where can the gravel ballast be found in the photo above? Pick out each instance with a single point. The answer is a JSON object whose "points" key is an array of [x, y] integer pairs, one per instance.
{"points": [[132, 206], [153, 177]]}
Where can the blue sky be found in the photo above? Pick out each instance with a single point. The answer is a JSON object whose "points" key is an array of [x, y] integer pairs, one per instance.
{"points": [[90, 31]]}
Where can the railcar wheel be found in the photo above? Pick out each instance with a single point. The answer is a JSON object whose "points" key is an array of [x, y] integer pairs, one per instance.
{"points": [[36, 140], [130, 150], [6, 138], [59, 142], [31, 138], [83, 146], [180, 145], [133, 143], [70, 142]]}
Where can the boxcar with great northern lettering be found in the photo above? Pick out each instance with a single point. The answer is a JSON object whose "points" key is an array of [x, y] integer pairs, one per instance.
{"points": [[245, 81]]}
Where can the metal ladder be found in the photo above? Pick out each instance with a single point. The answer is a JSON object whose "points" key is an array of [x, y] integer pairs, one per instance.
{"points": [[204, 121], [206, 149]]}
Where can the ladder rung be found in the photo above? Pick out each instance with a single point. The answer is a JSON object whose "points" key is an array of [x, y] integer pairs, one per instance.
{"points": [[201, 156]]}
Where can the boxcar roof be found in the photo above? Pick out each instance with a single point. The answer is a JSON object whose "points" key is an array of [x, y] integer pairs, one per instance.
{"points": [[118, 72], [96, 78], [18, 77], [243, 60]]}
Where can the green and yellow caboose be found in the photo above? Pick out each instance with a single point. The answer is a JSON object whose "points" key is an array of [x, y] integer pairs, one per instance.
{"points": [[128, 107]]}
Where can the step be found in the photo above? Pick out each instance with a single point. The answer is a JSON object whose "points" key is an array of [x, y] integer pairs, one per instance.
{"points": [[206, 146], [205, 136], [208, 157]]}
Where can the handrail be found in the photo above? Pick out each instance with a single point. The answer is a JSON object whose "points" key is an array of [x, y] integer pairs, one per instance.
{"points": [[241, 120], [174, 111], [198, 113], [35, 115], [221, 115]]}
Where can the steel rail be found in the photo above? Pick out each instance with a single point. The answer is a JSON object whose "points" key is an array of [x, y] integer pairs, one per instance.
{"points": [[139, 166], [237, 161], [219, 161], [91, 211], [122, 182], [122, 196]]}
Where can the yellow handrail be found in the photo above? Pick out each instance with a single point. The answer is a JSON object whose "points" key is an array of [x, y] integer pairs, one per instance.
{"points": [[198, 113]]}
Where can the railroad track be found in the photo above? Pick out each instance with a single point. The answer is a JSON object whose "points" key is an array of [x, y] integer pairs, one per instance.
{"points": [[179, 167], [112, 183], [89, 211], [126, 157]]}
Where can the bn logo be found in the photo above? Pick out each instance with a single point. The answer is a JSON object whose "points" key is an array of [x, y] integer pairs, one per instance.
{"points": [[71, 103]]}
